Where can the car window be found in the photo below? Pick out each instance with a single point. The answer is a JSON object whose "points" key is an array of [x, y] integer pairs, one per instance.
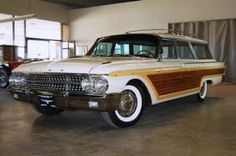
{"points": [[121, 49], [138, 45], [103, 49], [183, 50], [144, 49], [168, 48], [202, 51]]}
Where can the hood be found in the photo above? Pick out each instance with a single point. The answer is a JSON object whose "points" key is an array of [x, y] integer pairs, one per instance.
{"points": [[72, 65]]}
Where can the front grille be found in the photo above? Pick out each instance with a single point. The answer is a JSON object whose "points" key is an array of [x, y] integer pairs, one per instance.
{"points": [[55, 82]]}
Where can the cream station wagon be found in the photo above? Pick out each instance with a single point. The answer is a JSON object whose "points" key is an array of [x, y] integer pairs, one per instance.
{"points": [[120, 75]]}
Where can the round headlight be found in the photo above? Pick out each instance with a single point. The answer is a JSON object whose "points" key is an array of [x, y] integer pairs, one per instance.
{"points": [[12, 80], [86, 85], [17, 80], [100, 85], [20, 80], [94, 85]]}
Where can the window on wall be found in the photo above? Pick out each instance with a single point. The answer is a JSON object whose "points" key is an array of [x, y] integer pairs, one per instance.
{"points": [[43, 37], [44, 29], [19, 33], [38, 49], [6, 31]]}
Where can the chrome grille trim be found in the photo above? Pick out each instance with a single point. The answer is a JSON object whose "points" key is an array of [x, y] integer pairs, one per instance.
{"points": [[70, 83]]}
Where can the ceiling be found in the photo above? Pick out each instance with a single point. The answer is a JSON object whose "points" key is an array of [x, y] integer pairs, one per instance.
{"points": [[87, 3]]}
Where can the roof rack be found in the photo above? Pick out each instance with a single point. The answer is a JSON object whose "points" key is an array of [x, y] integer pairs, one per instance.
{"points": [[141, 30], [176, 32], [181, 33]]}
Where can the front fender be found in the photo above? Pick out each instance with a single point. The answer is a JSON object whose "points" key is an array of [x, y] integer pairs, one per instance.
{"points": [[117, 84]]}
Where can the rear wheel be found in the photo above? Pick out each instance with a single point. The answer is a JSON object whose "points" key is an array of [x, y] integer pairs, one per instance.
{"points": [[3, 78], [130, 108], [201, 96]]}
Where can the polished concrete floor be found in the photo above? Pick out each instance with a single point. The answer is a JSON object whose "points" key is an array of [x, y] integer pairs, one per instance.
{"points": [[177, 128]]}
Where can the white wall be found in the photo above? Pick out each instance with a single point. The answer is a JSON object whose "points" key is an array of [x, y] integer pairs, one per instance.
{"points": [[42, 9], [90, 23]]}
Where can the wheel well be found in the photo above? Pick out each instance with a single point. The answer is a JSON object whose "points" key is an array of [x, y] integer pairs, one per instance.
{"points": [[209, 82], [140, 84]]}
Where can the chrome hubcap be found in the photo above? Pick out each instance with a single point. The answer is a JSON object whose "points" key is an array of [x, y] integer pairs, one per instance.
{"points": [[128, 104]]}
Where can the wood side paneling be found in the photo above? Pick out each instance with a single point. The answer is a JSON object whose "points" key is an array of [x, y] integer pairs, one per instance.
{"points": [[166, 83]]}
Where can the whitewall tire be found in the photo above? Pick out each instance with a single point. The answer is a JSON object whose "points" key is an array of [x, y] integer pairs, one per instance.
{"points": [[130, 108], [201, 96]]}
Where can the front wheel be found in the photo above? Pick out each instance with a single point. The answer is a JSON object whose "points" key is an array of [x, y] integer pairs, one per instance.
{"points": [[130, 108], [3, 78], [201, 96]]}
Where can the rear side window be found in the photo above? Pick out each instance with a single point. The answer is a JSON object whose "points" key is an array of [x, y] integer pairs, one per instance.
{"points": [[202, 51], [183, 50], [168, 48]]}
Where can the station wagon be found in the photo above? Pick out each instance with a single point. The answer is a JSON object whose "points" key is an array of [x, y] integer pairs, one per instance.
{"points": [[120, 76]]}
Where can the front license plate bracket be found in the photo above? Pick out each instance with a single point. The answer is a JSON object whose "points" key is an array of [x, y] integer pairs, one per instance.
{"points": [[46, 101]]}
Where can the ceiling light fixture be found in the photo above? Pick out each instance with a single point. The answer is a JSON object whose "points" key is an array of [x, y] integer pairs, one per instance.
{"points": [[18, 18]]}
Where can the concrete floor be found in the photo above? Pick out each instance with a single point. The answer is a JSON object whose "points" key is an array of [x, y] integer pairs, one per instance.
{"points": [[177, 128]]}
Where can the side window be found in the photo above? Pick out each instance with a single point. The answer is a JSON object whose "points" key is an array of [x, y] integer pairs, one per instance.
{"points": [[183, 50], [202, 51], [168, 48], [121, 49]]}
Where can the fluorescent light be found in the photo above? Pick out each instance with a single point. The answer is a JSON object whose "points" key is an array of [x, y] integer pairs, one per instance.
{"points": [[18, 18]]}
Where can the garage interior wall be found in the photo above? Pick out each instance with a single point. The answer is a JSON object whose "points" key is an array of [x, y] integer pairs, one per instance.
{"points": [[42, 9], [89, 23]]}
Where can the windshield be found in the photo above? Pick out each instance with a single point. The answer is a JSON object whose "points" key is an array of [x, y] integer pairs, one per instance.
{"points": [[124, 48]]}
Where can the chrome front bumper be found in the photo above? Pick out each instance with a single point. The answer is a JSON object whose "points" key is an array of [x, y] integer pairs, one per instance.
{"points": [[108, 102]]}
